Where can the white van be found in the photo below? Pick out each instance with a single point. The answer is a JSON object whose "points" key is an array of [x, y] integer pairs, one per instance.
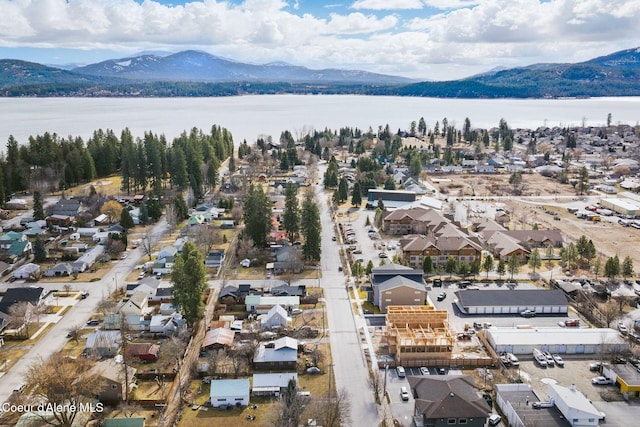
{"points": [[494, 419], [401, 372]]}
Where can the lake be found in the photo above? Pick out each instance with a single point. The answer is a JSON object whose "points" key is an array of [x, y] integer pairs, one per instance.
{"points": [[248, 117]]}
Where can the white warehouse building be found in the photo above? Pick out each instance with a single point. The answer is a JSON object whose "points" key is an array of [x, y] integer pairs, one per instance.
{"points": [[621, 205], [555, 340]]}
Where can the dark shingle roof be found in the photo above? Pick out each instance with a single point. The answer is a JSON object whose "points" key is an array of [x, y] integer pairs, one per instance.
{"points": [[523, 297], [446, 396]]}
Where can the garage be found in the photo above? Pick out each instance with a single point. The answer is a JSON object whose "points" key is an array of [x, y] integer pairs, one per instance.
{"points": [[587, 341], [488, 301]]}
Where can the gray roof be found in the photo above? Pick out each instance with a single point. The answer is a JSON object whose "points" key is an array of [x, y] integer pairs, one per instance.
{"points": [[398, 281], [444, 396], [522, 297]]}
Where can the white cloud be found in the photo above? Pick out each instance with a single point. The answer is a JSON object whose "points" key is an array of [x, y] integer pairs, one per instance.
{"points": [[387, 4], [465, 37]]}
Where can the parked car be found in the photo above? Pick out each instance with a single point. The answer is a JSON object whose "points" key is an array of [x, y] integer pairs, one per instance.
{"points": [[313, 370], [494, 420], [513, 359], [558, 360], [601, 381], [383, 255], [404, 393], [437, 283], [93, 322], [401, 372], [442, 296], [623, 328], [528, 313], [424, 371], [595, 367], [550, 361]]}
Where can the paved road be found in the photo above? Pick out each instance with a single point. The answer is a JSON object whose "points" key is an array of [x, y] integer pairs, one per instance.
{"points": [[55, 338], [349, 366]]}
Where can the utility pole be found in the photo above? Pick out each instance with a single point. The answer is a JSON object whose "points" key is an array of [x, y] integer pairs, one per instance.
{"points": [[386, 368]]}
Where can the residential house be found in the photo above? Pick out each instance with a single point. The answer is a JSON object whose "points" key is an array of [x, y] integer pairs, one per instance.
{"points": [[59, 270], [146, 352], [33, 296], [287, 261], [272, 384], [281, 355], [66, 207], [148, 285], [88, 259], [218, 338], [444, 400], [59, 221], [103, 343], [288, 290], [16, 204], [262, 304], [485, 169], [167, 251], [214, 258], [277, 317], [531, 239], [19, 249], [115, 380], [230, 392], [574, 405], [132, 309], [167, 324], [26, 271]]}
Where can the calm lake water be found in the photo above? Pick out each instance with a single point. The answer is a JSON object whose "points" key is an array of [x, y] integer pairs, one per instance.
{"points": [[248, 117]]}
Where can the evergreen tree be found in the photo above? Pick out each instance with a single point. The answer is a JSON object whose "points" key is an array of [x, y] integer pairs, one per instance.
{"points": [[535, 260], [501, 268], [257, 215], [39, 250], [487, 264], [343, 190], [188, 277], [369, 268], [514, 265], [356, 194], [125, 220], [291, 215], [180, 206], [451, 266], [612, 267], [427, 264], [627, 267], [310, 222], [154, 209], [38, 210], [389, 183]]}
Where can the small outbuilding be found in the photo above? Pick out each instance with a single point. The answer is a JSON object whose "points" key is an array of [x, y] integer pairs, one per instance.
{"points": [[230, 392]]}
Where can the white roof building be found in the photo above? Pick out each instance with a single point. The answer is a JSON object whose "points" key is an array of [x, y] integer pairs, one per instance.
{"points": [[574, 405], [555, 340]]}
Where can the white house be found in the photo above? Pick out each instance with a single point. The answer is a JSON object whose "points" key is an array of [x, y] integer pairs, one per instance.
{"points": [[26, 271], [167, 324], [277, 317], [272, 384], [229, 392], [88, 259], [133, 311], [262, 304]]}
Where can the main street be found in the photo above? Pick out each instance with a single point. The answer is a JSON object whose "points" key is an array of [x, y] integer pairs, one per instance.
{"points": [[349, 365], [55, 338]]}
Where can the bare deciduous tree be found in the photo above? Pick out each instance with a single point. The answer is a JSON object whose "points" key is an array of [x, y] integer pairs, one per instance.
{"points": [[20, 316], [63, 382]]}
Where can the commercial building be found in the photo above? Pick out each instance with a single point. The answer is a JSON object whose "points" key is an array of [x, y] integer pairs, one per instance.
{"points": [[556, 340], [623, 206], [489, 301]]}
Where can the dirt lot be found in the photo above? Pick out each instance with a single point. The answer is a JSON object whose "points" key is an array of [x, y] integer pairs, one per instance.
{"points": [[541, 195]]}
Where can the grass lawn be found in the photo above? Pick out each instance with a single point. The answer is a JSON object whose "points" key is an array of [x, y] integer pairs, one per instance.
{"points": [[236, 417], [11, 352], [151, 390], [73, 348]]}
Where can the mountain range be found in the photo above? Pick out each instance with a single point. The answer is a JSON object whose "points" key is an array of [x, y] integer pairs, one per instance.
{"points": [[195, 73]]}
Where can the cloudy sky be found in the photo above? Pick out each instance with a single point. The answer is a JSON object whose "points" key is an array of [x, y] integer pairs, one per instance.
{"points": [[422, 39]]}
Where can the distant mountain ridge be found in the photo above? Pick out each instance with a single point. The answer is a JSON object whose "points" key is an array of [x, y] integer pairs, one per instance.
{"points": [[194, 73], [196, 66]]}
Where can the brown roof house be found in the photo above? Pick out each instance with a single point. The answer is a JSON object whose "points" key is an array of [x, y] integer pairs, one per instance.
{"points": [[444, 400], [113, 376], [146, 352]]}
